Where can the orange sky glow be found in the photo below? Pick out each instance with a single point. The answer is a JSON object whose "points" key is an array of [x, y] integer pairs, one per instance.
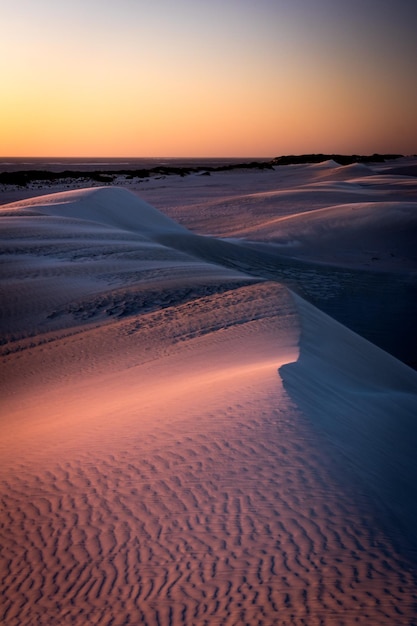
{"points": [[208, 79]]}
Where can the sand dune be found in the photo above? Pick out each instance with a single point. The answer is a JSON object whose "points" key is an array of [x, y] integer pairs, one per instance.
{"points": [[366, 402], [365, 288], [346, 172], [346, 234], [60, 270], [111, 206], [184, 440]]}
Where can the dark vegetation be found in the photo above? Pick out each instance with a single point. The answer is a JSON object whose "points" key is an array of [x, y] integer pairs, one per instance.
{"points": [[22, 178]]}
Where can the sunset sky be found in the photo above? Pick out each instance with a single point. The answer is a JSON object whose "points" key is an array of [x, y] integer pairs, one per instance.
{"points": [[207, 77]]}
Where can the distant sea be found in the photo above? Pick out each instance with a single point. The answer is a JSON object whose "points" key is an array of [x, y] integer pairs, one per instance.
{"points": [[109, 164]]}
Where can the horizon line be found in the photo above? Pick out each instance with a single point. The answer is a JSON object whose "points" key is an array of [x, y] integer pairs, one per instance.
{"points": [[275, 156]]}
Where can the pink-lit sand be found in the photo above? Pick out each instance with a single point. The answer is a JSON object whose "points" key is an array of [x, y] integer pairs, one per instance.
{"points": [[185, 439]]}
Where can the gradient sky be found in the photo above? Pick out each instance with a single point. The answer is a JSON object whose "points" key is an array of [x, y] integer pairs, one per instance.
{"points": [[207, 77]]}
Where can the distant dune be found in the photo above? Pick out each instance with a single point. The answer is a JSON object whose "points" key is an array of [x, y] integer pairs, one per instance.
{"points": [[192, 432]]}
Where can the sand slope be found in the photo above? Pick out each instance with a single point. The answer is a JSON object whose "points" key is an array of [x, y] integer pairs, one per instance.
{"points": [[155, 468], [347, 234], [104, 205], [365, 401]]}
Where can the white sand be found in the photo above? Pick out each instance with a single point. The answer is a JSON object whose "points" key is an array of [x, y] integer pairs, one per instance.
{"points": [[184, 442]]}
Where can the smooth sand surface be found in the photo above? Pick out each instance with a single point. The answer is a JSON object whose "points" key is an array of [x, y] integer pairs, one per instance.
{"points": [[187, 437]]}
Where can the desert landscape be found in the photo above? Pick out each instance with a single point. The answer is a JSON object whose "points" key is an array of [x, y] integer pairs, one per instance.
{"points": [[209, 398]]}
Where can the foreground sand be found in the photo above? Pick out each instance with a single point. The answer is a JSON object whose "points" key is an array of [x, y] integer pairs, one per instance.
{"points": [[183, 439]]}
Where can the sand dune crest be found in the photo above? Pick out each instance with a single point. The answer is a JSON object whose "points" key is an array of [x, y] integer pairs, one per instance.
{"points": [[113, 206]]}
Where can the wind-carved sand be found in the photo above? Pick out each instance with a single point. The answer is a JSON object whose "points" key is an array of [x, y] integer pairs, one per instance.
{"points": [[183, 439]]}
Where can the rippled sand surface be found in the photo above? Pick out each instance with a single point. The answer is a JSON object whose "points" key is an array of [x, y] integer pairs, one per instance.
{"points": [[183, 439]]}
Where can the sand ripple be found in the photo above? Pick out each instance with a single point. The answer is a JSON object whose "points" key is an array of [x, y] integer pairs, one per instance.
{"points": [[243, 524]]}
